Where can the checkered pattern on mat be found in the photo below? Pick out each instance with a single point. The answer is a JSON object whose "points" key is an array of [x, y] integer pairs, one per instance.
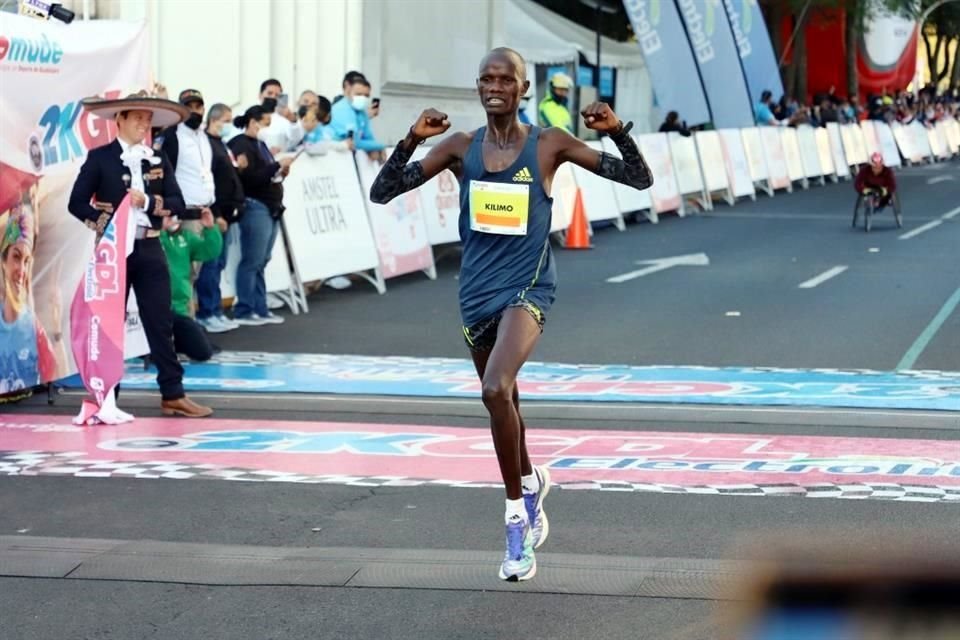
{"points": [[79, 465]]}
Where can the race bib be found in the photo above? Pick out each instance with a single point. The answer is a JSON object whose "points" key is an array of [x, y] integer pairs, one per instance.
{"points": [[499, 208]]}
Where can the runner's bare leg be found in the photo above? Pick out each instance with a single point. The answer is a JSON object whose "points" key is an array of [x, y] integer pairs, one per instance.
{"points": [[480, 359], [516, 339]]}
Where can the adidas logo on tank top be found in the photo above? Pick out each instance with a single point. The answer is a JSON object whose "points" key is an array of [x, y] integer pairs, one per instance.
{"points": [[523, 175]]}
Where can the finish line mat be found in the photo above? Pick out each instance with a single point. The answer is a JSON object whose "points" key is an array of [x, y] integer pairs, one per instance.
{"points": [[242, 371], [388, 455]]}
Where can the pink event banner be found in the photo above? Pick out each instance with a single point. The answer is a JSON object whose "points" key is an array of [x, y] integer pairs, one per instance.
{"points": [[456, 454]]}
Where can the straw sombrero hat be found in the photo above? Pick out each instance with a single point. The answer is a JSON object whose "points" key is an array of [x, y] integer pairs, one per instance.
{"points": [[166, 113]]}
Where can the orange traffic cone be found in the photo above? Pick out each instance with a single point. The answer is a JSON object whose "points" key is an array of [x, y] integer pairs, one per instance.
{"points": [[578, 234]]}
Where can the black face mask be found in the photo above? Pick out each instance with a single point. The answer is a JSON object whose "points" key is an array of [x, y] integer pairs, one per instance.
{"points": [[269, 105], [561, 100], [194, 121]]}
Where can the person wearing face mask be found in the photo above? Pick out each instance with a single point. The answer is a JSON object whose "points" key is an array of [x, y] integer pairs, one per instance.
{"points": [[261, 176], [227, 207], [187, 147], [350, 119], [553, 108], [282, 134]]}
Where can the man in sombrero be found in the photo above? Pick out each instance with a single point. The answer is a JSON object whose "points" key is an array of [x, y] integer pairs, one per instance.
{"points": [[128, 166]]}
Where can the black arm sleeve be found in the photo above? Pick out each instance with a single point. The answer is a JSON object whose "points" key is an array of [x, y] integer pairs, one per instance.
{"points": [[396, 176], [632, 170]]}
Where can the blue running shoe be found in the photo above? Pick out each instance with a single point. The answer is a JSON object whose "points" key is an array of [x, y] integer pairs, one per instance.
{"points": [[534, 503], [519, 562]]}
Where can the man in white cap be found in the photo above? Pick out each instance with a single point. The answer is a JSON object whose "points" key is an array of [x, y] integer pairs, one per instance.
{"points": [[127, 166], [553, 109]]}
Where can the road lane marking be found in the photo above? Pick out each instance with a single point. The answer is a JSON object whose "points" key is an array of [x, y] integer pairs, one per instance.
{"points": [[927, 335], [660, 264], [936, 179], [823, 277], [921, 229], [951, 214]]}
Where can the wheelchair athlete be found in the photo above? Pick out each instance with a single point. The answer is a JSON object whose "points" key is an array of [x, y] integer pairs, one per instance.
{"points": [[878, 180]]}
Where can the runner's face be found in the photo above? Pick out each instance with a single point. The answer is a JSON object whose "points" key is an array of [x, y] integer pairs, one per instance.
{"points": [[500, 86]]}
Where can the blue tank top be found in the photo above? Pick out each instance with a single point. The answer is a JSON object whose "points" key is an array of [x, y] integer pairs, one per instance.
{"points": [[19, 362], [500, 265]]}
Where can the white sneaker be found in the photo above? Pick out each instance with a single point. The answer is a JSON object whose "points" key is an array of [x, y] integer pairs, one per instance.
{"points": [[253, 320], [274, 301], [271, 318], [339, 282], [228, 323], [212, 325]]}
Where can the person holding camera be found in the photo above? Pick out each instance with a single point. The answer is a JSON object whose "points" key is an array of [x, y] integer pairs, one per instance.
{"points": [[262, 178]]}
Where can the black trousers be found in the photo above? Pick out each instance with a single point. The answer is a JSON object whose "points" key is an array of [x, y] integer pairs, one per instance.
{"points": [[190, 339], [147, 274]]}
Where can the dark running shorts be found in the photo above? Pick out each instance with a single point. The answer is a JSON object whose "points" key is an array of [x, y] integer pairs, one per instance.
{"points": [[483, 335]]}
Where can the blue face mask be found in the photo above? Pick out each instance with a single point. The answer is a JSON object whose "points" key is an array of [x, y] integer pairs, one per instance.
{"points": [[359, 103]]}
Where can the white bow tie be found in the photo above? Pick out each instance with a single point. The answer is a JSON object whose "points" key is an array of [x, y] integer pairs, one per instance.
{"points": [[137, 153]]}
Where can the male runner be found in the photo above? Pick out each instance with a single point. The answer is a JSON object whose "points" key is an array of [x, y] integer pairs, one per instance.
{"points": [[507, 273]]}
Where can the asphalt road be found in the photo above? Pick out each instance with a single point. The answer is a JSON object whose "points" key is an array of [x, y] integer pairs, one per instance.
{"points": [[868, 316]]}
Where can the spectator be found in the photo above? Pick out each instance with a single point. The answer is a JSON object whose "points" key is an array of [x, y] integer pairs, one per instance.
{"points": [[307, 99], [227, 208], [183, 246], [261, 176], [350, 119], [827, 112], [524, 107], [553, 108], [672, 123], [320, 136], [280, 134], [762, 111], [188, 148], [348, 79]]}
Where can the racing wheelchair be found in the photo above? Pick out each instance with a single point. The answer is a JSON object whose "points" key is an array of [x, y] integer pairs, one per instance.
{"points": [[868, 205]]}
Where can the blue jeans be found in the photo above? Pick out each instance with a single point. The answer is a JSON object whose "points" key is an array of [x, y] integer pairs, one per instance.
{"points": [[209, 300], [258, 231]]}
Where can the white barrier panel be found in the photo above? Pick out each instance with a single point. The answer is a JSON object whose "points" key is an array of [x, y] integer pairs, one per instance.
{"points": [[791, 154], [564, 193], [870, 141], [952, 131], [276, 275], [398, 227], [629, 199], [776, 160], [687, 168], [938, 143], [441, 204], [840, 165], [664, 194], [326, 221], [599, 199], [824, 155], [735, 161], [888, 146], [904, 138], [921, 141], [853, 145], [809, 156], [711, 162], [756, 158]]}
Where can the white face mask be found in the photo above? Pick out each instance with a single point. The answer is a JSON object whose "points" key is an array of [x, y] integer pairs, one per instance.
{"points": [[359, 103]]}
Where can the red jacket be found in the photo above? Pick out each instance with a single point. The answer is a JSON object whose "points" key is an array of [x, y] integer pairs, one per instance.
{"points": [[867, 179]]}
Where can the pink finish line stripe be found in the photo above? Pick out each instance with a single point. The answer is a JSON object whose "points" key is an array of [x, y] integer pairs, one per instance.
{"points": [[457, 454]]}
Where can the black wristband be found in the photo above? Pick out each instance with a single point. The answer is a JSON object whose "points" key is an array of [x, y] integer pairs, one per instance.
{"points": [[623, 130]]}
